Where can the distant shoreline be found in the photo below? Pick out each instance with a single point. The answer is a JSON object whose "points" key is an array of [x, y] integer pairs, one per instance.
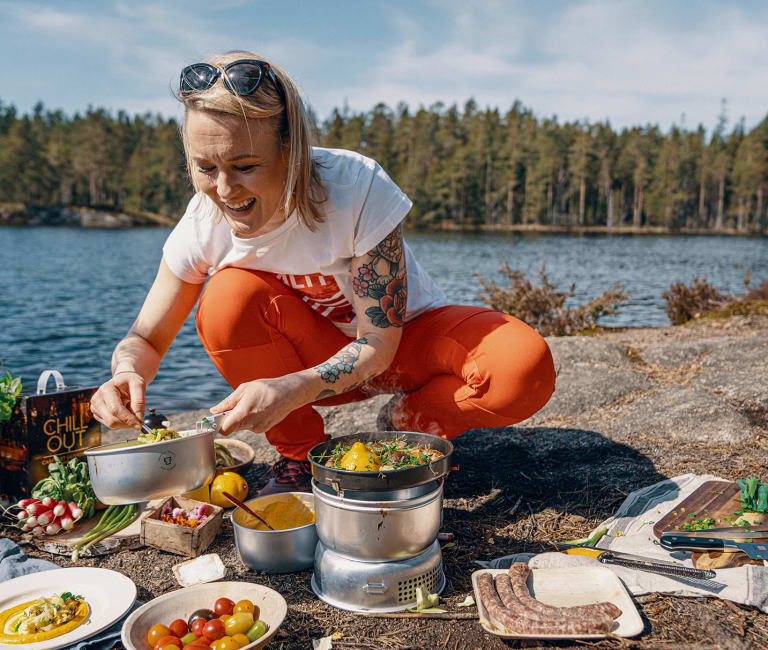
{"points": [[17, 214]]}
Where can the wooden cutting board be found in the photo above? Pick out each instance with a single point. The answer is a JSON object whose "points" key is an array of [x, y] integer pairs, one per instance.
{"points": [[61, 544], [718, 500]]}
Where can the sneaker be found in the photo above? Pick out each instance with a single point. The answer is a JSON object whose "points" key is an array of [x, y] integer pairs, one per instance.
{"points": [[289, 476], [384, 418]]}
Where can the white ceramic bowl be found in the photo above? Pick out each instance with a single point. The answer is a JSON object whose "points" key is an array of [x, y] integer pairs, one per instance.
{"points": [[182, 602]]}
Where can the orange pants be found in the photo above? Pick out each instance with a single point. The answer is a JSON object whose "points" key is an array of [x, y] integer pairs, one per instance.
{"points": [[459, 367]]}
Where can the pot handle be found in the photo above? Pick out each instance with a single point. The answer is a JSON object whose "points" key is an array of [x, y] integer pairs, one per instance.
{"points": [[42, 382]]}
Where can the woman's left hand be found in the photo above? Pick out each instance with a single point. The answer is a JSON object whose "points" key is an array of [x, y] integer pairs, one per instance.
{"points": [[256, 405]]}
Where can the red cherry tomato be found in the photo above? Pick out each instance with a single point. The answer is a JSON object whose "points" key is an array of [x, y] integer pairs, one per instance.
{"points": [[197, 626], [223, 606], [168, 640], [179, 628], [202, 642], [214, 629]]}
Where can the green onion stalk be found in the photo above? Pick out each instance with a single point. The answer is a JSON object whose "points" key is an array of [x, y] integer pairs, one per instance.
{"points": [[114, 519]]}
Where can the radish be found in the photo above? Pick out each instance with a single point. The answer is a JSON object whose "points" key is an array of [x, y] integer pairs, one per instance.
{"points": [[26, 527], [48, 502], [31, 521], [36, 509], [37, 531], [25, 502], [22, 515], [45, 518], [67, 523], [60, 508], [54, 527], [75, 510]]}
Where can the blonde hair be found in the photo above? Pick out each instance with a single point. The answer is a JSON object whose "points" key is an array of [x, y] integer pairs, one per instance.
{"points": [[284, 111]]}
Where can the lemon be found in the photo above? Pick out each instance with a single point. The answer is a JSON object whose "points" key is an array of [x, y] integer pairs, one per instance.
{"points": [[228, 482]]}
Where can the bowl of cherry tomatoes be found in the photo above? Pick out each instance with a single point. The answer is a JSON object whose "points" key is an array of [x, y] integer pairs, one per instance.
{"points": [[215, 616]]}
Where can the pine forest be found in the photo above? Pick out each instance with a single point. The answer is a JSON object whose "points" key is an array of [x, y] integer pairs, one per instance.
{"points": [[462, 167]]}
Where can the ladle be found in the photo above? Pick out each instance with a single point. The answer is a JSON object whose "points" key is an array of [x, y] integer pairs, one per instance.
{"points": [[240, 504]]}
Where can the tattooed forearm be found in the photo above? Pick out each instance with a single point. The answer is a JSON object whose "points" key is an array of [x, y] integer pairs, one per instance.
{"points": [[342, 362], [384, 279], [329, 392]]}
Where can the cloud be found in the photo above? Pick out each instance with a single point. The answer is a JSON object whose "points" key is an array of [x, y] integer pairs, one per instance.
{"points": [[598, 59]]}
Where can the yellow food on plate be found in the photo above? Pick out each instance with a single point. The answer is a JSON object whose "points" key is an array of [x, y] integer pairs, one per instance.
{"points": [[288, 512], [42, 619], [360, 459]]}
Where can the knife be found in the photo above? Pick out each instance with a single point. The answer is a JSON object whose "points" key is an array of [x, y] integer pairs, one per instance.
{"points": [[675, 542], [742, 533], [639, 562]]}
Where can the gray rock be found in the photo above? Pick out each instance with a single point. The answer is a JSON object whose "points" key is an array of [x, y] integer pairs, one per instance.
{"points": [[581, 388], [569, 350], [671, 354], [738, 370], [688, 414]]}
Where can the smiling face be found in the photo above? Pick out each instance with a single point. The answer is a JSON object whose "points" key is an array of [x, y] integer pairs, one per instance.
{"points": [[241, 166]]}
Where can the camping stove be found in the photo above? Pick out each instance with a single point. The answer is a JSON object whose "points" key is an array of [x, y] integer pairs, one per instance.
{"points": [[378, 546]]}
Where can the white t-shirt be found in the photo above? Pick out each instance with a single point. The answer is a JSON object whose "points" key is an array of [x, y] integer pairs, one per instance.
{"points": [[364, 205]]}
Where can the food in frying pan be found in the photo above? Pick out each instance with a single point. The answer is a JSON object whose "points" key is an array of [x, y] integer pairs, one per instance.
{"points": [[380, 455]]}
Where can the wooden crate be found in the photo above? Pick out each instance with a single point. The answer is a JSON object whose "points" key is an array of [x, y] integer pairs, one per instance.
{"points": [[181, 540]]}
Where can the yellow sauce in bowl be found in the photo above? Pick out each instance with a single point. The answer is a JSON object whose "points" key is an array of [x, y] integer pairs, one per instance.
{"points": [[289, 512]]}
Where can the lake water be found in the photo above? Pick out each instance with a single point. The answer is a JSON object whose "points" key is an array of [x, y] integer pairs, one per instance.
{"points": [[69, 294]]}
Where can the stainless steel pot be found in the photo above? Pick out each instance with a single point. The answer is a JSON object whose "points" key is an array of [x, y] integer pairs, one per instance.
{"points": [[378, 530], [130, 472], [275, 551]]}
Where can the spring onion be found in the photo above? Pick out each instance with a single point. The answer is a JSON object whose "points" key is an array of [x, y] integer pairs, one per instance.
{"points": [[114, 519]]}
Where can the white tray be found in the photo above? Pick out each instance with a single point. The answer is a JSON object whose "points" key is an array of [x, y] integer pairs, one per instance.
{"points": [[568, 586]]}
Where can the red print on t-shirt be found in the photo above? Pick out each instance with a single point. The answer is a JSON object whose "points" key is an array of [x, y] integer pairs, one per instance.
{"points": [[322, 293]]}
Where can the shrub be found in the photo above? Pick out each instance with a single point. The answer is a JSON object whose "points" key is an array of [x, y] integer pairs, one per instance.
{"points": [[684, 302], [758, 293], [543, 307]]}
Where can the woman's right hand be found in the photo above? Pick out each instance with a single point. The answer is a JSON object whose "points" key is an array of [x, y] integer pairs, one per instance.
{"points": [[119, 402]]}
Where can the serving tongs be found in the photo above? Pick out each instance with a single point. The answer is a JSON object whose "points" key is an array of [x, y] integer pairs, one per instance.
{"points": [[209, 422]]}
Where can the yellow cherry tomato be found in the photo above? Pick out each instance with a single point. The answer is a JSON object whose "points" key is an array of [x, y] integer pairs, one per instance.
{"points": [[240, 639], [228, 482], [157, 632], [215, 644], [245, 606], [228, 643], [239, 623], [223, 618]]}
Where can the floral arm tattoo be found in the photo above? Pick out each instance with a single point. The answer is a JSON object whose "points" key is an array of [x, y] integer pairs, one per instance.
{"points": [[384, 279], [340, 363]]}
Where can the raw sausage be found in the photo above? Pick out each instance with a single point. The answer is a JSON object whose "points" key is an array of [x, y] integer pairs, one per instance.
{"points": [[504, 618], [518, 575], [513, 603]]}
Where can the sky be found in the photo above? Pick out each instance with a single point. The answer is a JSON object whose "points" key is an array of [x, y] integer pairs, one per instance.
{"points": [[633, 63]]}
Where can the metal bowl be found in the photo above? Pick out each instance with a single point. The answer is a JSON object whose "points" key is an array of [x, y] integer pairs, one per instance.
{"points": [[275, 551], [131, 472]]}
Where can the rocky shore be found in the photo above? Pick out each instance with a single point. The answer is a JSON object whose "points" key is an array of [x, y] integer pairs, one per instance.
{"points": [[631, 407], [18, 214]]}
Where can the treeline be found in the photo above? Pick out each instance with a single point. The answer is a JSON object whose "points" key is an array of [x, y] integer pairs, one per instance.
{"points": [[461, 167]]}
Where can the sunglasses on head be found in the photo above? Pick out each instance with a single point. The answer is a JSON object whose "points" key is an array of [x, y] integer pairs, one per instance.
{"points": [[241, 77]]}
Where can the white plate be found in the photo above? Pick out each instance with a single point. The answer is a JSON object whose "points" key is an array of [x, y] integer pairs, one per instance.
{"points": [[568, 586], [109, 595], [182, 602]]}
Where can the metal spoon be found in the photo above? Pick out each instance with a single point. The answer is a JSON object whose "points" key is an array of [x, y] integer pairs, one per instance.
{"points": [[240, 504]]}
